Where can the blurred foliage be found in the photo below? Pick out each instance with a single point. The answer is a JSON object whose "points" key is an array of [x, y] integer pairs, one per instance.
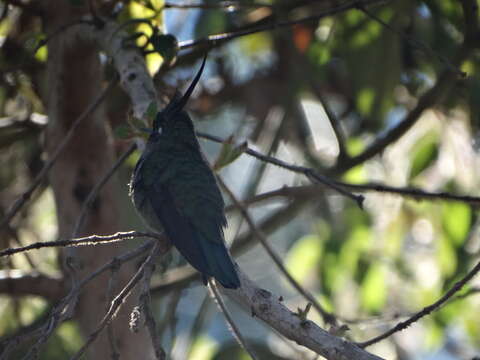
{"points": [[393, 258]]}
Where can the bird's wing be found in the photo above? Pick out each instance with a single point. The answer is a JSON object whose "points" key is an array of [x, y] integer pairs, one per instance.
{"points": [[188, 203], [178, 227], [197, 197]]}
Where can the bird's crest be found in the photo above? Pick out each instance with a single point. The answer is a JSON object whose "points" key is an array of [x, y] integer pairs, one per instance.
{"points": [[178, 102]]}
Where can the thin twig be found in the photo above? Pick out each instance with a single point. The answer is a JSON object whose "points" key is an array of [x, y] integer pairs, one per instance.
{"points": [[84, 241], [227, 5], [446, 80], [145, 301], [333, 119], [17, 205], [310, 173], [64, 308], [117, 303], [214, 40], [87, 204], [311, 190], [411, 192], [112, 281], [228, 318], [425, 311], [327, 317]]}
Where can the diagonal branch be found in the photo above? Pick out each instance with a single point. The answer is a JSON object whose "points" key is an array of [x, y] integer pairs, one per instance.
{"points": [[22, 200], [118, 301], [327, 317], [228, 318], [446, 81], [310, 173], [266, 306], [426, 310]]}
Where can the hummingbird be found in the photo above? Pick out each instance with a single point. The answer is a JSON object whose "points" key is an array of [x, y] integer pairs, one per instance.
{"points": [[174, 189]]}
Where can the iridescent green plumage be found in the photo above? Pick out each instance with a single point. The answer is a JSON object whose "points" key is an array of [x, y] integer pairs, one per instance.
{"points": [[174, 189]]}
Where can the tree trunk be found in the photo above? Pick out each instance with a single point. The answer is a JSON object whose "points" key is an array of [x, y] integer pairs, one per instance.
{"points": [[75, 79]]}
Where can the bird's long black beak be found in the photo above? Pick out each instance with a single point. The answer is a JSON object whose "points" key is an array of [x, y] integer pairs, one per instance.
{"points": [[183, 101]]}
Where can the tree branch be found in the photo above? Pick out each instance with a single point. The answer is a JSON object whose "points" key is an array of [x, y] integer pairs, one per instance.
{"points": [[426, 310], [18, 204], [432, 97], [228, 318], [19, 283], [84, 241], [310, 173], [118, 301], [264, 305], [217, 39], [327, 317]]}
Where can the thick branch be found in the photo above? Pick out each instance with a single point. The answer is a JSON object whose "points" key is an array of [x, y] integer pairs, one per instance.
{"points": [[266, 306], [20, 283]]}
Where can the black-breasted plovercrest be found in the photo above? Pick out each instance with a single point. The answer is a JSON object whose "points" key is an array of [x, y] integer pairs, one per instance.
{"points": [[174, 189]]}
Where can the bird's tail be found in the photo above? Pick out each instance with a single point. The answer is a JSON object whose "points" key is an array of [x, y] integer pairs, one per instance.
{"points": [[220, 264]]}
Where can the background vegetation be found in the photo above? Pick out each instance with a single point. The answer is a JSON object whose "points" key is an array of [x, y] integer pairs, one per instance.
{"points": [[377, 106]]}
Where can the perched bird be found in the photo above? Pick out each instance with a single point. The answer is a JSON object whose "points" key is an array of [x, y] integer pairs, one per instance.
{"points": [[174, 189]]}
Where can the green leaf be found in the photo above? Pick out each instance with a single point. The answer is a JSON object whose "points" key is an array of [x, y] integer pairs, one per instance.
{"points": [[374, 288], [151, 112], [204, 347], [304, 256], [434, 335], [472, 326], [229, 153], [456, 220], [365, 100], [424, 153], [357, 242], [446, 256], [123, 131]]}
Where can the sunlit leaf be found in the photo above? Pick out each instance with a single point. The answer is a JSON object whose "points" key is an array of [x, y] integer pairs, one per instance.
{"points": [[434, 334], [446, 256], [365, 100], [424, 153], [355, 175], [255, 43], [456, 220], [319, 54], [203, 348], [472, 326], [368, 34], [304, 256], [374, 288], [357, 241]]}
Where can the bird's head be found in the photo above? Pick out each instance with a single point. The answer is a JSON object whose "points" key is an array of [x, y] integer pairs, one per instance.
{"points": [[173, 120]]}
